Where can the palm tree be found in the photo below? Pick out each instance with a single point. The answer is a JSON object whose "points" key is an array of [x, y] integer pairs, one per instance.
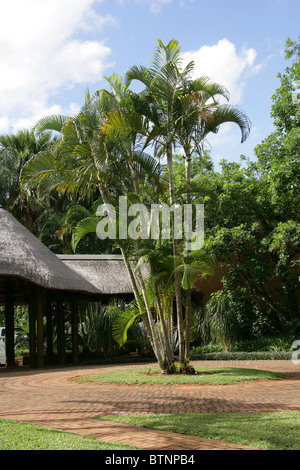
{"points": [[220, 320], [88, 155], [15, 151], [165, 81], [78, 162], [126, 128], [183, 112], [55, 224]]}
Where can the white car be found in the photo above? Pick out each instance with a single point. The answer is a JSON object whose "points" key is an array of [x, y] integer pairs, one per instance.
{"points": [[2, 352], [2, 332], [2, 345], [19, 332]]}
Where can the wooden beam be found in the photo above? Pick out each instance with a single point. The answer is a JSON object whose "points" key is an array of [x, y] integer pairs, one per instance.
{"points": [[9, 324], [61, 352], [40, 327], [74, 322], [32, 332], [49, 328]]}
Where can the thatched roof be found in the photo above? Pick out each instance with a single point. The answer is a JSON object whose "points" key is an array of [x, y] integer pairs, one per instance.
{"points": [[24, 257], [107, 273]]}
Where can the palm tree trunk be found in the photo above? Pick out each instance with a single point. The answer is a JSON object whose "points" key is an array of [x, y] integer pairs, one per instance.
{"points": [[104, 192], [170, 356], [188, 308], [134, 177], [188, 300], [175, 257], [137, 295], [156, 340]]}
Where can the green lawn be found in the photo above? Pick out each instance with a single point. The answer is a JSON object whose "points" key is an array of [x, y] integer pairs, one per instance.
{"points": [[212, 375], [16, 435], [267, 431]]}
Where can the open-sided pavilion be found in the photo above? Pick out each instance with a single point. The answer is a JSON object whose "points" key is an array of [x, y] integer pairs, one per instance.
{"points": [[30, 274]]}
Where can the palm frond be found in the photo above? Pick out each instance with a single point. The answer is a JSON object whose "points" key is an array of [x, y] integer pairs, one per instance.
{"points": [[75, 212], [209, 88], [85, 226], [192, 266], [124, 121], [227, 113], [123, 322], [139, 73], [50, 123], [164, 54], [39, 167]]}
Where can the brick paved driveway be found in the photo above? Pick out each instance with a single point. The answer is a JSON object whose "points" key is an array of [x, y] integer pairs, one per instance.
{"points": [[48, 397]]}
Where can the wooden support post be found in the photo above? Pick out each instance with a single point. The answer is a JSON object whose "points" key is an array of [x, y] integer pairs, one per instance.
{"points": [[40, 327], [49, 329], [9, 324], [36, 327], [74, 321], [61, 353], [32, 331]]}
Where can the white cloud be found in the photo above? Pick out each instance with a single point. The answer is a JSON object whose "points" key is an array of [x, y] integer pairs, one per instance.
{"points": [[42, 51], [225, 65], [157, 4]]}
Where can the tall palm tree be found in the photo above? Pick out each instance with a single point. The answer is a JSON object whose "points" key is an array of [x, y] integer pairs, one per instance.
{"points": [[165, 81], [88, 154], [55, 225], [119, 128], [127, 128], [78, 162], [15, 151], [182, 111]]}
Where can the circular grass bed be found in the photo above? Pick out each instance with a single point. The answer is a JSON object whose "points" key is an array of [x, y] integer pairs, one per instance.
{"points": [[203, 375]]}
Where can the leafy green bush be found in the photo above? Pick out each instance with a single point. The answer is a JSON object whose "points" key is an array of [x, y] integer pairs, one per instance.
{"points": [[241, 356], [95, 328], [269, 347], [276, 344]]}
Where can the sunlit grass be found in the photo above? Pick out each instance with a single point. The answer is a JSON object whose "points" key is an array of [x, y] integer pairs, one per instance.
{"points": [[266, 431], [16, 435], [207, 375]]}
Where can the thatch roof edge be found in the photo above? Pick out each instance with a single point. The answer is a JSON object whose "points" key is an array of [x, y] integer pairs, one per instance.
{"points": [[23, 256]]}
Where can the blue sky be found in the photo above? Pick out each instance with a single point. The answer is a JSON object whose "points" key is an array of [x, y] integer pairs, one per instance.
{"points": [[52, 50]]}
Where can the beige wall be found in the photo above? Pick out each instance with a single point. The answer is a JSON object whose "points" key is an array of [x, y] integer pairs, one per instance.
{"points": [[211, 284]]}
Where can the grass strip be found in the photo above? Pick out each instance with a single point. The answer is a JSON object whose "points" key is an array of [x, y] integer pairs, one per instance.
{"points": [[17, 435], [266, 431], [207, 375]]}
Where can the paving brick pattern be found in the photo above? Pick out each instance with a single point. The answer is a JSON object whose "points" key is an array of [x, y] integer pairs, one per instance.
{"points": [[49, 398]]}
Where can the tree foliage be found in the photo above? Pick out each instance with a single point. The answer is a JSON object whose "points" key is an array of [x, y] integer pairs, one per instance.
{"points": [[254, 209]]}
